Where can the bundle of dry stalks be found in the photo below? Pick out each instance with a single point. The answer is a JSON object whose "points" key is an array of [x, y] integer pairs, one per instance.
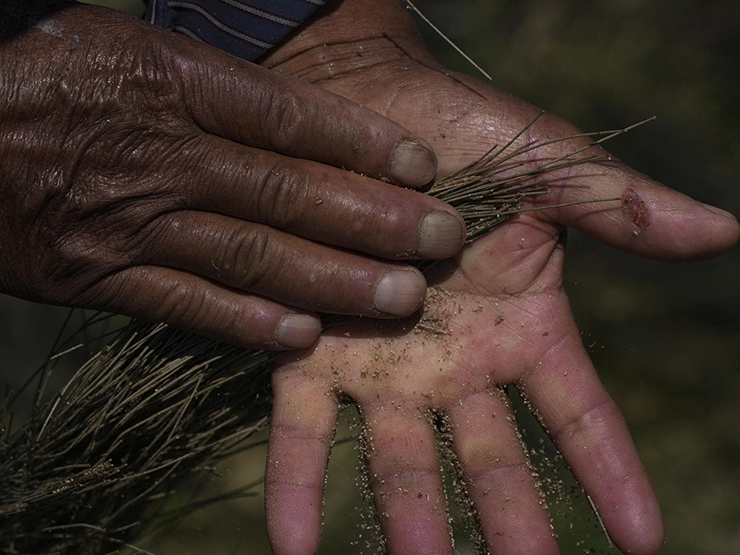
{"points": [[90, 469]]}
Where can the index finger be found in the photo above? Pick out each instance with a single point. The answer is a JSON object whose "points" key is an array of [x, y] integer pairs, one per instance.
{"points": [[301, 434], [254, 106], [588, 428]]}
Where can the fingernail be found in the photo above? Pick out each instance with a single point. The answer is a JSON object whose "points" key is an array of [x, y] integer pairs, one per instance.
{"points": [[718, 211], [441, 235], [400, 292], [412, 163], [296, 331]]}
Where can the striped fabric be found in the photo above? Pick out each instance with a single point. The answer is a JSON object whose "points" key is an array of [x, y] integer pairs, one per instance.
{"points": [[245, 28]]}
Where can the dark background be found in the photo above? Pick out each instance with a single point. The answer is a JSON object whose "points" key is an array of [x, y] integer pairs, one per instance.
{"points": [[665, 338]]}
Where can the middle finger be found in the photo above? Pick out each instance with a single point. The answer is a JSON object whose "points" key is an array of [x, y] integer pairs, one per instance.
{"points": [[498, 477], [406, 479], [285, 268], [321, 203]]}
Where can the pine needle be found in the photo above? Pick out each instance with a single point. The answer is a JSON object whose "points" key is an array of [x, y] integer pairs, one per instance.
{"points": [[410, 5]]}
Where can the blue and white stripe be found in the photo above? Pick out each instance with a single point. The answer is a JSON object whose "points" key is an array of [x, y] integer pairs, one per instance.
{"points": [[245, 28]]}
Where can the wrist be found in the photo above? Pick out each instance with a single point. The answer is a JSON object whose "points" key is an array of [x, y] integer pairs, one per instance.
{"points": [[349, 36]]}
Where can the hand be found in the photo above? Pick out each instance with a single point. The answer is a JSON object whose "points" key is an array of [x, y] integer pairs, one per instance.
{"points": [[506, 315], [146, 174]]}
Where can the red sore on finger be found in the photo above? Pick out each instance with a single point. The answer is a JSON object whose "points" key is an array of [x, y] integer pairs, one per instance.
{"points": [[636, 211]]}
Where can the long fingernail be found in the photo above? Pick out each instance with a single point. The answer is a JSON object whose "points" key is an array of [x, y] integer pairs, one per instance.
{"points": [[400, 292], [412, 163], [441, 235], [718, 211], [296, 331]]}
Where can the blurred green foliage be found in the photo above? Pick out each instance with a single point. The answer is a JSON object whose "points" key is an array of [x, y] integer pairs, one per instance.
{"points": [[665, 338]]}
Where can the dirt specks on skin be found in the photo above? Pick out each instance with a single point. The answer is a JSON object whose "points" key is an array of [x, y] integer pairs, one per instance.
{"points": [[438, 309], [406, 338], [635, 211]]}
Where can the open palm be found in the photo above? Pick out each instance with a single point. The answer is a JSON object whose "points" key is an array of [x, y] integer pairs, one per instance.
{"points": [[496, 315]]}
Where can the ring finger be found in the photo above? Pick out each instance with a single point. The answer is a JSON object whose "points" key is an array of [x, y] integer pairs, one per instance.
{"points": [[498, 476], [264, 261]]}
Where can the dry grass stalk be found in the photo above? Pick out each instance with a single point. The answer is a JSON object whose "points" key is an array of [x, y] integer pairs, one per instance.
{"points": [[90, 470]]}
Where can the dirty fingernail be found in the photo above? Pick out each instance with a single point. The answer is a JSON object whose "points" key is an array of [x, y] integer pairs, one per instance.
{"points": [[441, 235], [718, 211], [413, 163], [296, 331], [400, 292]]}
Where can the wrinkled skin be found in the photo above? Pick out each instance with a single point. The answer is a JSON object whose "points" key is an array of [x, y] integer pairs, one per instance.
{"points": [[146, 174], [506, 316]]}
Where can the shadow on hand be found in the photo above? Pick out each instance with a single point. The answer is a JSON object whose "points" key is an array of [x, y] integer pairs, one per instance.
{"points": [[17, 17]]}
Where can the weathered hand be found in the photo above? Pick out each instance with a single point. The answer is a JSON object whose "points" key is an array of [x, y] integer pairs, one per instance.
{"points": [[506, 315], [146, 174]]}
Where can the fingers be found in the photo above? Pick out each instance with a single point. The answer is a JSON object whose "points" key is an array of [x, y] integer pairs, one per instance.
{"points": [[648, 219], [499, 480], [406, 481], [301, 434], [294, 271], [318, 202], [189, 302], [248, 104], [592, 435]]}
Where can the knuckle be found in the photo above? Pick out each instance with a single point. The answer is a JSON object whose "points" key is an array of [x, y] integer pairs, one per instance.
{"points": [[91, 249], [125, 163], [578, 423], [285, 121], [282, 196], [141, 240], [111, 293], [253, 259], [70, 265], [183, 307], [487, 467]]}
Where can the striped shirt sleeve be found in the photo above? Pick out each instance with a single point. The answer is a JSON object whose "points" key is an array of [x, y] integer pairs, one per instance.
{"points": [[245, 28]]}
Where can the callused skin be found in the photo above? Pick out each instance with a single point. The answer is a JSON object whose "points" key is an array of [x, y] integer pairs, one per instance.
{"points": [[146, 174], [507, 319]]}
